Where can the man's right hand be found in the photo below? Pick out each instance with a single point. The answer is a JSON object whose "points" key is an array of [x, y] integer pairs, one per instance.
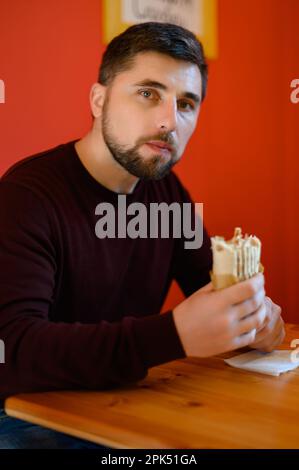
{"points": [[212, 322]]}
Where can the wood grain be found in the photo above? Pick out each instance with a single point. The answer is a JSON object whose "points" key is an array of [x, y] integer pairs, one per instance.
{"points": [[191, 403]]}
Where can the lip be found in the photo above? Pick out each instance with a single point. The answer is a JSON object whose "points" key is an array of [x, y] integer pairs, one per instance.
{"points": [[161, 145]]}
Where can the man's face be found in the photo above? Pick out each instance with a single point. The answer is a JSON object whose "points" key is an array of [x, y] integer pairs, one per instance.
{"points": [[150, 112]]}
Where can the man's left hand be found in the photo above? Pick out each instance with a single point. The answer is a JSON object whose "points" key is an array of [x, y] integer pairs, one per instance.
{"points": [[272, 332]]}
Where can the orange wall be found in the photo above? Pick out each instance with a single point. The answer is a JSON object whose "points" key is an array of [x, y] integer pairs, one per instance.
{"points": [[242, 160]]}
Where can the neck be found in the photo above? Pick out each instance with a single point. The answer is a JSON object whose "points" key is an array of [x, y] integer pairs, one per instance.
{"points": [[98, 161]]}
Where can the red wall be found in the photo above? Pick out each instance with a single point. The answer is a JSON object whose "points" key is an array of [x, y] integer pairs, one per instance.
{"points": [[242, 160]]}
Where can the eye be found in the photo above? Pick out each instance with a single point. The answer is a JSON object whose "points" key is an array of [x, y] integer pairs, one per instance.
{"points": [[149, 94], [185, 105], [145, 93]]}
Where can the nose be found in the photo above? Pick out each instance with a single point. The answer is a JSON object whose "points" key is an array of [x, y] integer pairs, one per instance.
{"points": [[167, 116]]}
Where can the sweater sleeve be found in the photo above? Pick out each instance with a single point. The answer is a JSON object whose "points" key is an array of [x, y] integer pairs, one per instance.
{"points": [[44, 355], [192, 266]]}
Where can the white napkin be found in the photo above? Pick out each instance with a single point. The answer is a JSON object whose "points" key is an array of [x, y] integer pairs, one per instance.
{"points": [[273, 363]]}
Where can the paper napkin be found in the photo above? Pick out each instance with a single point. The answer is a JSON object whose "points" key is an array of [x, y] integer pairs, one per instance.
{"points": [[273, 363]]}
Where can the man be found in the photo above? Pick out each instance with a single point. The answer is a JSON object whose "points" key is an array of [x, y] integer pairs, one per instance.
{"points": [[79, 311]]}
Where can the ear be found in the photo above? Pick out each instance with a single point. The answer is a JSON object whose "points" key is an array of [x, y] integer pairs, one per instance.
{"points": [[96, 99]]}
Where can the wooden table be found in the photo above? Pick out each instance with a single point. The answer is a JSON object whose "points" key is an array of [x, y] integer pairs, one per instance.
{"points": [[190, 403]]}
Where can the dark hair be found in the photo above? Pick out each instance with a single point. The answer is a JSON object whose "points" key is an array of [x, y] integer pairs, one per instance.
{"points": [[166, 38]]}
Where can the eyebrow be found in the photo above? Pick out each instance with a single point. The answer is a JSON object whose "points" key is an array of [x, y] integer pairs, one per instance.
{"points": [[161, 86]]}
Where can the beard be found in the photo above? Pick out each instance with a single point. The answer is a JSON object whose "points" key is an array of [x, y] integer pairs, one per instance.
{"points": [[153, 168]]}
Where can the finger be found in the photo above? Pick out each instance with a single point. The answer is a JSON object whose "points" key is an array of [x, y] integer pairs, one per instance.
{"points": [[265, 323], [270, 333], [251, 305], [271, 345], [282, 336], [244, 340], [275, 310], [245, 289], [269, 304], [272, 328], [268, 315], [253, 321]]}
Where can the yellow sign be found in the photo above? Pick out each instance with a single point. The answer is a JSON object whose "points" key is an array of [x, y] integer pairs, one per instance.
{"points": [[199, 16]]}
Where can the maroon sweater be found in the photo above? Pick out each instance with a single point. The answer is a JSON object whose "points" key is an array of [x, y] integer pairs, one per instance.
{"points": [[77, 311]]}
